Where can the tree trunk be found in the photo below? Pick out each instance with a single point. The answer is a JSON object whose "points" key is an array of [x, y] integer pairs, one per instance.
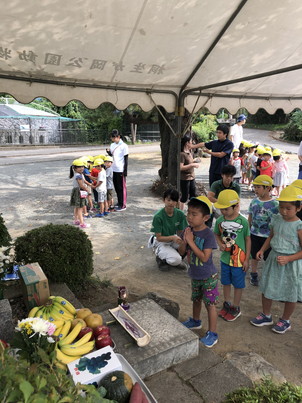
{"points": [[170, 147], [133, 132]]}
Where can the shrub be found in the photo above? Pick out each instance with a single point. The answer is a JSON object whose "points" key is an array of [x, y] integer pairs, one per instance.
{"points": [[266, 392], [4, 234], [64, 252], [22, 382], [293, 131]]}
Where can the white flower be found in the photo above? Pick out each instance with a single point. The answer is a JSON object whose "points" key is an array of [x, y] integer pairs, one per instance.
{"points": [[50, 340], [40, 326]]}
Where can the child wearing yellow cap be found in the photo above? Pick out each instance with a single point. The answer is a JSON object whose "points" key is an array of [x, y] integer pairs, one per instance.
{"points": [[281, 278], [233, 237], [280, 172], [260, 212]]}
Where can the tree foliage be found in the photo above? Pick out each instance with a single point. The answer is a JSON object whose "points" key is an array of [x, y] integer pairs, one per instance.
{"points": [[293, 131], [205, 127]]}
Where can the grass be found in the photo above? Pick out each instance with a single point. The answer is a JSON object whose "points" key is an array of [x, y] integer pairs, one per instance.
{"points": [[266, 392]]}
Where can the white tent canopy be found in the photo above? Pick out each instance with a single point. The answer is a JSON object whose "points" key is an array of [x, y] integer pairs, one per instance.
{"points": [[191, 53]]}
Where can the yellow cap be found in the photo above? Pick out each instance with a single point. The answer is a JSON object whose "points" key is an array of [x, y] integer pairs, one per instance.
{"points": [[101, 156], [263, 180], [289, 194], [206, 201], [297, 184], [108, 158], [98, 161], [84, 159], [260, 149], [235, 150], [227, 198], [78, 163], [276, 152], [268, 148]]}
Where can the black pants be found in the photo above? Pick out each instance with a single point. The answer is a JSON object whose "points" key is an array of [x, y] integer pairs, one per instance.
{"points": [[119, 182], [187, 189]]}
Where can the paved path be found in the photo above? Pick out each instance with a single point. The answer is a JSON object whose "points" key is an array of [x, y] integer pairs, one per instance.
{"points": [[43, 183]]}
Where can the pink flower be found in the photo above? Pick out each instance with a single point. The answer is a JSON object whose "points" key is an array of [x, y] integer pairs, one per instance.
{"points": [[51, 328]]}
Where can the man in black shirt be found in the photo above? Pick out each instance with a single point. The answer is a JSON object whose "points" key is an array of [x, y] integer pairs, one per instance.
{"points": [[220, 151]]}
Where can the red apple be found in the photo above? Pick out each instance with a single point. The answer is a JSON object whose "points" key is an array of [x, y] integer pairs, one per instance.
{"points": [[101, 330], [84, 331], [103, 340]]}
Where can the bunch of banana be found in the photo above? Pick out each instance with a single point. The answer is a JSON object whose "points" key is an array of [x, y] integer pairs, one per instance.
{"points": [[55, 309], [67, 350]]}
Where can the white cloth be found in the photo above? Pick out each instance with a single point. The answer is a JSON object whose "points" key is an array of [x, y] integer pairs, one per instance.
{"points": [[236, 135], [118, 151], [102, 178]]}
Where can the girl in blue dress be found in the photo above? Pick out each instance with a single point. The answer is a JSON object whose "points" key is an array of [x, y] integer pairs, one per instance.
{"points": [[282, 272]]}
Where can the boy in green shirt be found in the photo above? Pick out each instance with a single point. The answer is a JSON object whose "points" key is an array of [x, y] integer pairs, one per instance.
{"points": [[232, 233], [167, 224]]}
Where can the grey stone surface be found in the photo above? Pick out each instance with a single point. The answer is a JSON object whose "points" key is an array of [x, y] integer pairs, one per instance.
{"points": [[254, 366], [167, 387], [206, 359], [171, 342], [167, 304], [6, 322], [64, 291], [219, 380]]}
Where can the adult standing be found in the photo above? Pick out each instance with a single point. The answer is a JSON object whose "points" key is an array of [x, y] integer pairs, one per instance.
{"points": [[220, 151], [187, 174], [236, 135], [119, 151], [300, 159]]}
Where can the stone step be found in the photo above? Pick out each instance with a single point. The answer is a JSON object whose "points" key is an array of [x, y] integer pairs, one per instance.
{"points": [[171, 342]]}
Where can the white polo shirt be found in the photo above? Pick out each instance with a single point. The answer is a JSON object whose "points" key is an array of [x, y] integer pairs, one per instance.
{"points": [[118, 151], [237, 133]]}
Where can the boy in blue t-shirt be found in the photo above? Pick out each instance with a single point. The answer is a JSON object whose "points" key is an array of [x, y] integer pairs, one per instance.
{"points": [[261, 210], [198, 242]]}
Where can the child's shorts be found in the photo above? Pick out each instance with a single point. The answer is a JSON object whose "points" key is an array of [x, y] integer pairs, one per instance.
{"points": [[102, 196], [232, 275], [109, 194], [257, 243], [205, 290]]}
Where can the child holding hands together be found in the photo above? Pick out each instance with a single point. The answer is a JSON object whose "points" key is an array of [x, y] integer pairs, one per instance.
{"points": [[198, 243], [281, 275]]}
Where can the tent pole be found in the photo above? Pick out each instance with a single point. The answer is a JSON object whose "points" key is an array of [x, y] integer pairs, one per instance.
{"points": [[180, 112]]}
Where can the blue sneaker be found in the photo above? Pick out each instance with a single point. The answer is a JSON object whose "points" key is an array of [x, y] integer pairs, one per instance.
{"points": [[282, 326], [192, 323], [210, 339], [99, 215], [106, 213], [262, 320]]}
